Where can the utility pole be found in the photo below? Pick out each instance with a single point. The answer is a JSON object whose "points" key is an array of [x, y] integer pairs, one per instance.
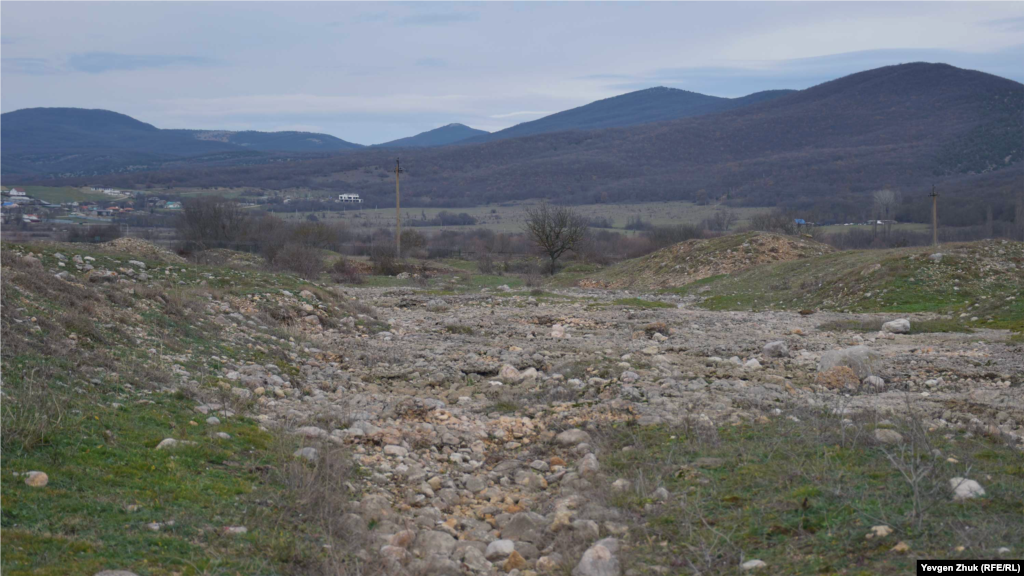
{"points": [[398, 213], [935, 217]]}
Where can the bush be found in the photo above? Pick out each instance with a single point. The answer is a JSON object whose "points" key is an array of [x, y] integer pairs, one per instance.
{"points": [[302, 260], [382, 255], [343, 272], [93, 233]]}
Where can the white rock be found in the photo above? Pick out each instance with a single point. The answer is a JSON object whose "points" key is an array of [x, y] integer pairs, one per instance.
{"points": [[395, 450], [899, 326], [599, 560], [499, 549], [753, 565], [965, 489], [308, 453]]}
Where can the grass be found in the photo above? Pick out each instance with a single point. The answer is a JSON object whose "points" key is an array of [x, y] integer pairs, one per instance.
{"points": [[916, 326], [971, 282], [87, 397], [801, 496]]}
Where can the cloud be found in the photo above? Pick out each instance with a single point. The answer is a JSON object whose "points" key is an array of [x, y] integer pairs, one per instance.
{"points": [[99, 62], [30, 66], [438, 18]]}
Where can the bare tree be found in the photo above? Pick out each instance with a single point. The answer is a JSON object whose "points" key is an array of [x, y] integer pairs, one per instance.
{"points": [[211, 222], [886, 202], [556, 230]]}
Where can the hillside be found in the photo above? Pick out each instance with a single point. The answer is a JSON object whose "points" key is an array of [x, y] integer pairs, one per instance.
{"points": [[976, 284], [658, 104], [442, 136], [821, 149], [694, 260], [74, 140]]}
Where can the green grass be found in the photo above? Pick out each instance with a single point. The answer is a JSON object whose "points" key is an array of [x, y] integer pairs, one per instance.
{"points": [[801, 497], [91, 414], [971, 279]]}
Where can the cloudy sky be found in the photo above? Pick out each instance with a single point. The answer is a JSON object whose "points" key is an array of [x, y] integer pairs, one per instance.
{"points": [[373, 72]]}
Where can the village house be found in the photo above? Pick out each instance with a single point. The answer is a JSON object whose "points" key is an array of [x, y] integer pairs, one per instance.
{"points": [[350, 198]]}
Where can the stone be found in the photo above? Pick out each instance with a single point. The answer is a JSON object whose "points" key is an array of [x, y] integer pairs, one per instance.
{"points": [[402, 538], [308, 453], [514, 561], [234, 530], [525, 526], [36, 479], [752, 364], [395, 450], [599, 560], [887, 436], [776, 349], [880, 531], [173, 443], [588, 465], [661, 494], [509, 373], [901, 548], [475, 484], [213, 420], [753, 565], [874, 382], [474, 560], [838, 378], [899, 326], [965, 489], [499, 549], [862, 360], [433, 542], [621, 485], [572, 437]]}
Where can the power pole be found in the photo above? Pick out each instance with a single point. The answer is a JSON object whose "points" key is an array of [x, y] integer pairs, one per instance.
{"points": [[935, 217], [398, 212]]}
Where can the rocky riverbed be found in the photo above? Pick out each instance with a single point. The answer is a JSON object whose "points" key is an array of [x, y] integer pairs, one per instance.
{"points": [[474, 414]]}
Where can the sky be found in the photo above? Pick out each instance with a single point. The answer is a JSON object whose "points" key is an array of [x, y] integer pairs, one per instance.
{"points": [[374, 72]]}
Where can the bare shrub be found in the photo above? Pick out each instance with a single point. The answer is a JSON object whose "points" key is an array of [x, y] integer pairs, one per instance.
{"points": [[32, 409], [382, 255], [302, 260], [344, 272], [555, 230]]}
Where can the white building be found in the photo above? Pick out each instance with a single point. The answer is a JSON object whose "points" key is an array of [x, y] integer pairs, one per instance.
{"points": [[16, 192], [350, 198]]}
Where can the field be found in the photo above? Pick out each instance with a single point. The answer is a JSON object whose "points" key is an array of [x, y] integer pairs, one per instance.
{"points": [[510, 217]]}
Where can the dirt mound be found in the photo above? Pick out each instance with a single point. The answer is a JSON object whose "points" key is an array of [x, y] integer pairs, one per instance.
{"points": [[693, 260], [141, 248]]}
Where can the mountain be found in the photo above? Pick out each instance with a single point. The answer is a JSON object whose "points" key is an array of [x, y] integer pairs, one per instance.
{"points": [[442, 136], [63, 140], [640, 107], [824, 149]]}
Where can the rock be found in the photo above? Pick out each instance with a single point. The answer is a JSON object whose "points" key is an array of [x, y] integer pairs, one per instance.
{"points": [[752, 364], [36, 479], [433, 542], [599, 560], [572, 437], [753, 565], [375, 507], [661, 494], [509, 373], [776, 349], [395, 554], [901, 548], [173, 443], [499, 549], [937, 257], [234, 530], [874, 382], [900, 326], [475, 484], [887, 436], [588, 465], [558, 331], [395, 450], [549, 564], [514, 561], [213, 420], [621, 485], [862, 360], [525, 526], [880, 531], [965, 489], [474, 560], [309, 453], [837, 378]]}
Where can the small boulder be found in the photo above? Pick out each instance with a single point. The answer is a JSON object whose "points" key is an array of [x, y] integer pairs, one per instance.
{"points": [[308, 453], [862, 360], [965, 489], [776, 349], [36, 479], [572, 437], [753, 565], [886, 436], [499, 549], [599, 560], [900, 326]]}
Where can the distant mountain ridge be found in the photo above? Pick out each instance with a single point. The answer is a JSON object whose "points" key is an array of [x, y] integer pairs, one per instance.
{"points": [[632, 109], [825, 148], [442, 136]]}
